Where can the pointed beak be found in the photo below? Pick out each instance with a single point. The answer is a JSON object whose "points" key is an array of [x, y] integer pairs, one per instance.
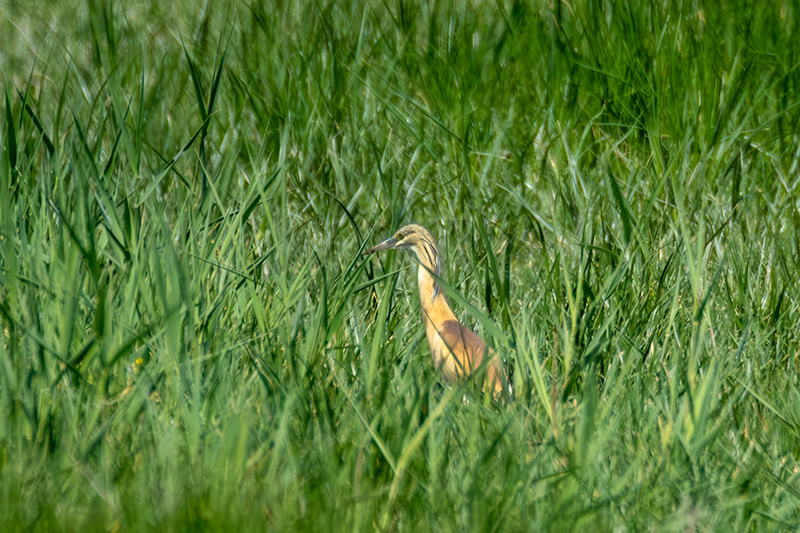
{"points": [[388, 244]]}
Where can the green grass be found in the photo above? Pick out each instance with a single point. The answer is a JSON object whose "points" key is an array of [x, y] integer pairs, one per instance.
{"points": [[190, 339]]}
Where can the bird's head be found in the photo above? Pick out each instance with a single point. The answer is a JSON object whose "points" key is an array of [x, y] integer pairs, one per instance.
{"points": [[420, 241], [409, 236]]}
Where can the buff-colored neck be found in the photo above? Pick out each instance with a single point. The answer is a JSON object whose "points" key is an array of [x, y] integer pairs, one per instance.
{"points": [[434, 304]]}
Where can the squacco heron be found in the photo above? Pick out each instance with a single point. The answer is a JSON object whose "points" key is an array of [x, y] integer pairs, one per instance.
{"points": [[456, 350]]}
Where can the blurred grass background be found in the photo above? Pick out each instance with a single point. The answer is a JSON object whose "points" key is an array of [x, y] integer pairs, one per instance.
{"points": [[190, 340]]}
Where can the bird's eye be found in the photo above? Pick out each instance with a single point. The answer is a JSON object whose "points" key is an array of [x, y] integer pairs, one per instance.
{"points": [[399, 236]]}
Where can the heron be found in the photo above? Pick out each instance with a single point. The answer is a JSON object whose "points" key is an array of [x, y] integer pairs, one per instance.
{"points": [[456, 350]]}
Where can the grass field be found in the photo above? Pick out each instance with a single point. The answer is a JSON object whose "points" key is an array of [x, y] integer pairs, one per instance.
{"points": [[190, 339]]}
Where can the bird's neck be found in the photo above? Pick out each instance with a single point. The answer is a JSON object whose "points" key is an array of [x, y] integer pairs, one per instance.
{"points": [[434, 304], [435, 310]]}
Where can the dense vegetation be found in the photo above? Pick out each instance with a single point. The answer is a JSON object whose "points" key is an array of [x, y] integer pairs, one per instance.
{"points": [[191, 340]]}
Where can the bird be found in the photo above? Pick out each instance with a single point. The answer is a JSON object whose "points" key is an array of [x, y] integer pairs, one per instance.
{"points": [[456, 350]]}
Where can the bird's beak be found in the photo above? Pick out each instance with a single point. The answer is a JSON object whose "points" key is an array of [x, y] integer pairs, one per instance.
{"points": [[385, 245]]}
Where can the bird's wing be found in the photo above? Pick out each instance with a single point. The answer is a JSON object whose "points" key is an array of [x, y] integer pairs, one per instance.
{"points": [[468, 353], [467, 347]]}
